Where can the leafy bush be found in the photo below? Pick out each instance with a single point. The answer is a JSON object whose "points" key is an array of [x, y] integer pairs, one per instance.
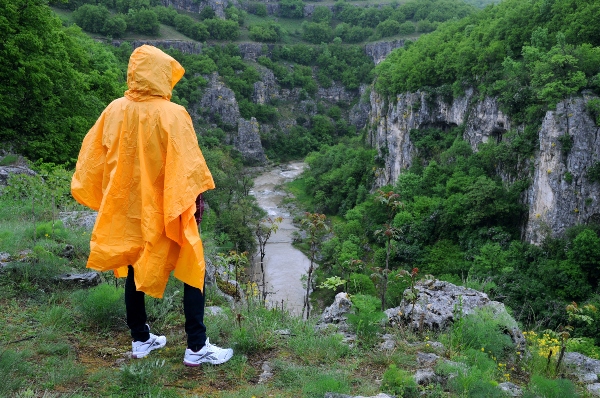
{"points": [[101, 307], [266, 32], [291, 8], [51, 230], [361, 284], [482, 330], [593, 107], [400, 382], [366, 318], [593, 172], [541, 386]]}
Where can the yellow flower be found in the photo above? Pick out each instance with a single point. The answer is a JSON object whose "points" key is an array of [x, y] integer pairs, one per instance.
{"points": [[46, 235], [482, 349]]}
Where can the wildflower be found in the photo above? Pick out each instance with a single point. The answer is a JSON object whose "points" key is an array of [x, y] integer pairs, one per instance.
{"points": [[482, 349], [46, 235]]}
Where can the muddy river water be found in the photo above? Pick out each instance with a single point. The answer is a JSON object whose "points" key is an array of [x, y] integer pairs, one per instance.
{"points": [[284, 265]]}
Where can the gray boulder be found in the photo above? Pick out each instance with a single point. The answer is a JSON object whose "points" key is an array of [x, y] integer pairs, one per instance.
{"points": [[78, 219], [87, 279], [583, 368], [7, 171], [439, 302], [510, 389]]}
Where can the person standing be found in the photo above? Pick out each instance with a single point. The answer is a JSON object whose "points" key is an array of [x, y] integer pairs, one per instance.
{"points": [[141, 168]]}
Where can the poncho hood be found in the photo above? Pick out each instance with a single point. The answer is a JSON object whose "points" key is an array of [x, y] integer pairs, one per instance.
{"points": [[152, 73]]}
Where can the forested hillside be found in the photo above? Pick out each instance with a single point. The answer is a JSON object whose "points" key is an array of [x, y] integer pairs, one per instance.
{"points": [[460, 211]]}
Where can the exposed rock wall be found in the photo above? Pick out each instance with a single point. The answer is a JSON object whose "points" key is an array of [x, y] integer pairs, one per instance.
{"points": [[195, 7], [378, 51], [359, 114], [187, 47], [561, 194], [391, 124], [555, 203], [337, 92], [247, 141], [218, 101]]}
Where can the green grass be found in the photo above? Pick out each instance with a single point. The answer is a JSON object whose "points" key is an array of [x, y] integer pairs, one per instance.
{"points": [[298, 189]]}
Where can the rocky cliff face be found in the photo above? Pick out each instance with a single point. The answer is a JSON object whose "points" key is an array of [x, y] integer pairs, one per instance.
{"points": [[561, 194], [391, 124], [187, 47], [197, 6], [247, 141], [218, 102], [378, 51]]}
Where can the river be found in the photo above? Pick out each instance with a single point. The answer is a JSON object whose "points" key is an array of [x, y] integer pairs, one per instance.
{"points": [[284, 264]]}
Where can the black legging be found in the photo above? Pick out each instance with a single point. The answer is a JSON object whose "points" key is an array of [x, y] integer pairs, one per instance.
{"points": [[193, 308]]}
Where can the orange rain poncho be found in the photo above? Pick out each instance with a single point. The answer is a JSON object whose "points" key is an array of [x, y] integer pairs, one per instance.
{"points": [[140, 166]]}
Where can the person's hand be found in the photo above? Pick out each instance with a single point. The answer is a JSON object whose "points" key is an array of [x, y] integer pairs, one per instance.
{"points": [[199, 209]]}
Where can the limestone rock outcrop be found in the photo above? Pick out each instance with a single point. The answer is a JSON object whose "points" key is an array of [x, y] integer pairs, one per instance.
{"points": [[378, 51], [185, 46], [197, 6], [437, 304], [219, 102], [247, 141], [562, 194]]}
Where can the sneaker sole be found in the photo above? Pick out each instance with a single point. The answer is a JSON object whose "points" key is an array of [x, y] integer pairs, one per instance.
{"points": [[216, 362]]}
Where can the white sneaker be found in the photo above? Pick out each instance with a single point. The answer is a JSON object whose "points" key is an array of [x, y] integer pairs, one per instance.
{"points": [[139, 349], [208, 354]]}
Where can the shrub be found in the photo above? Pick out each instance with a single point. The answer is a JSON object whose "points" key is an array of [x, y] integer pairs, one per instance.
{"points": [[101, 307], [143, 21], [400, 382], [222, 29], [366, 318], [540, 386], [482, 330], [361, 284], [593, 107], [316, 33], [266, 32], [389, 27], [593, 172], [322, 14], [260, 9], [291, 8], [407, 28], [91, 18]]}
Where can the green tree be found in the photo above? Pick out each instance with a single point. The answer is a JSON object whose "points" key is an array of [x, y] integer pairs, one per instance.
{"points": [[322, 14], [316, 33], [56, 82], [585, 253], [316, 227], [389, 27], [291, 8]]}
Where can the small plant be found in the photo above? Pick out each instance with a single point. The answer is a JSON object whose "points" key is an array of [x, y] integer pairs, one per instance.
{"points": [[366, 318], [9, 159], [593, 172], [101, 307], [390, 200], [263, 231], [593, 107], [568, 177], [566, 142], [332, 283], [316, 227], [400, 382]]}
